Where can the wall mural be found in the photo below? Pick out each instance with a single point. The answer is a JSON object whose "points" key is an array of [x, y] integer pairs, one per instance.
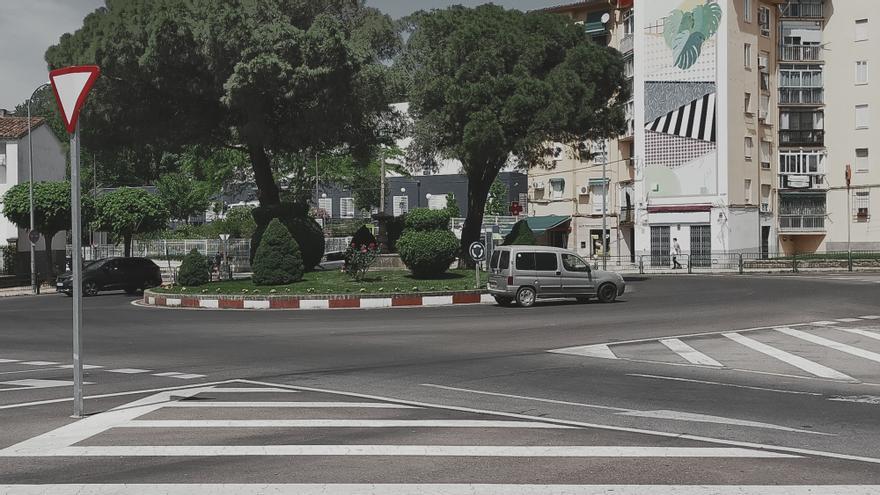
{"points": [[681, 157]]}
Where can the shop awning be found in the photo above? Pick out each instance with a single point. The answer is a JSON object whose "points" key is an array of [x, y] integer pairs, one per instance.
{"points": [[539, 225]]}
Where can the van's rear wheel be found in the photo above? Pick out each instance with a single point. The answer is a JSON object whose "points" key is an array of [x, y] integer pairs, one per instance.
{"points": [[526, 296], [504, 301], [607, 293]]}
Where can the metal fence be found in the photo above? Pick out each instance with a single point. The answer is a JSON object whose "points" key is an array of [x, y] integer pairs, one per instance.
{"points": [[743, 262]]}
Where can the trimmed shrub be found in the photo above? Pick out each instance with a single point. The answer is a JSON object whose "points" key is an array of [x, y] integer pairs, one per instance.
{"points": [[394, 229], [305, 231], [426, 219], [363, 237], [278, 260], [194, 270], [520, 235], [452, 206]]}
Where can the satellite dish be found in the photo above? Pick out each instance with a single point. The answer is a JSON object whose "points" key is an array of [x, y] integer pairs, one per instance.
{"points": [[606, 17]]}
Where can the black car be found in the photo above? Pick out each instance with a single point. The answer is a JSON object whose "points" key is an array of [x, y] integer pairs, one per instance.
{"points": [[128, 274]]}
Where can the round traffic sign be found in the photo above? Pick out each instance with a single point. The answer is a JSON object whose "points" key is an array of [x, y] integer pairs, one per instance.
{"points": [[477, 251], [33, 236]]}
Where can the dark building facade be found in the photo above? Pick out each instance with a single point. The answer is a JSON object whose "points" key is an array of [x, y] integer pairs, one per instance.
{"points": [[405, 193]]}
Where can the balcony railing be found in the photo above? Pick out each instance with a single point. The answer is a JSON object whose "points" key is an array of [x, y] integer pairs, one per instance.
{"points": [[814, 181], [810, 10], [627, 215], [802, 223], [626, 44], [801, 96], [801, 53], [803, 137]]}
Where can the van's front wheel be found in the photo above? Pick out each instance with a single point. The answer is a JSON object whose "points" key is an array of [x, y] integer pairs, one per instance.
{"points": [[526, 296]]}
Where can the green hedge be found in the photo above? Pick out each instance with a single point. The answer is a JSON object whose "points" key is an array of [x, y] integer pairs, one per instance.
{"points": [[305, 231], [278, 260], [194, 271], [427, 253], [425, 219]]}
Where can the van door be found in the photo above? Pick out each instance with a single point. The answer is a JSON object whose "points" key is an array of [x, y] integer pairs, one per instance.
{"points": [[576, 276], [499, 269], [523, 270], [548, 274]]}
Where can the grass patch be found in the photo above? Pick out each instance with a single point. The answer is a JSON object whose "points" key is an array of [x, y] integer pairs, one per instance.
{"points": [[336, 282]]}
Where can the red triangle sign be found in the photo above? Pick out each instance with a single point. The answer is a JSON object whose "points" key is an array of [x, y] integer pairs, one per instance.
{"points": [[72, 86]]}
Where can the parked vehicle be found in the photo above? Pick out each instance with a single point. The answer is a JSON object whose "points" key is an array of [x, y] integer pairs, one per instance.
{"points": [[128, 274], [525, 274]]}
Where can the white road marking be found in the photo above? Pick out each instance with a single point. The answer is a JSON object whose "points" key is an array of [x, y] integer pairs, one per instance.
{"points": [[431, 489], [796, 361], [406, 450], [838, 346], [305, 405], [8, 361], [342, 423], [129, 371], [436, 300], [537, 399], [40, 363], [85, 366], [167, 374], [596, 351], [314, 304], [187, 376], [375, 302], [823, 323], [32, 384], [256, 304], [704, 418], [689, 353], [861, 399], [858, 331], [209, 303], [849, 320], [246, 390], [705, 382], [870, 317]]}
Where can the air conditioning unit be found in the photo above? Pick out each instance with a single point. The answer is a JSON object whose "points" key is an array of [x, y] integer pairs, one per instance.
{"points": [[538, 185], [765, 207], [584, 190]]}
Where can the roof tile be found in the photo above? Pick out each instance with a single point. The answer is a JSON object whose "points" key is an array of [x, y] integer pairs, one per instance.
{"points": [[17, 127]]}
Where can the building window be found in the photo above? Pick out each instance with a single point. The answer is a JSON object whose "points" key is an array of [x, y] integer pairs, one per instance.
{"points": [[861, 29], [2, 163], [764, 67], [764, 21], [861, 203], [747, 10], [862, 117], [766, 153], [749, 145], [346, 207], [557, 188], [629, 23], [765, 107], [628, 67], [401, 205], [765, 197], [326, 204], [862, 72], [748, 191], [862, 164], [437, 202], [747, 103], [597, 198], [747, 55]]}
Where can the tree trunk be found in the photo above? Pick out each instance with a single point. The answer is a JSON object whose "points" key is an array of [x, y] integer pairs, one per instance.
{"points": [[267, 189], [126, 240], [478, 192], [50, 272]]}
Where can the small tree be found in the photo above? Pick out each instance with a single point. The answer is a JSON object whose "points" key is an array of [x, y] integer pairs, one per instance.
{"points": [[452, 206], [521, 235], [194, 270], [51, 211], [183, 196], [363, 237], [496, 204], [127, 211], [427, 246], [278, 260]]}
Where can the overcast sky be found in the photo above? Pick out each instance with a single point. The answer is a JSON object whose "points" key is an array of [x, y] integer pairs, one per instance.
{"points": [[28, 27]]}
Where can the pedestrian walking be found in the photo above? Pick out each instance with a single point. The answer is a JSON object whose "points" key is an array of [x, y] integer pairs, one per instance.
{"points": [[676, 252]]}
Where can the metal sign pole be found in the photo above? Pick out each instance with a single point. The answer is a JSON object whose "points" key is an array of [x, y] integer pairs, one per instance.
{"points": [[76, 260]]}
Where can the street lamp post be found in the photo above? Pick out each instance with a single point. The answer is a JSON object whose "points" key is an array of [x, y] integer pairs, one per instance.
{"points": [[34, 287]]}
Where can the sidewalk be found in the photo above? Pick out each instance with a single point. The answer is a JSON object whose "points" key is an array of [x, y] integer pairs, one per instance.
{"points": [[24, 291]]}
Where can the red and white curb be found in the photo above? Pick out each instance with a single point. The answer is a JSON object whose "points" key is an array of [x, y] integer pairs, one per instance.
{"points": [[313, 302]]}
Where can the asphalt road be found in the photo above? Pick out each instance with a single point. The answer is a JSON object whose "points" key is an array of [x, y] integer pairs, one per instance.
{"points": [[692, 380]]}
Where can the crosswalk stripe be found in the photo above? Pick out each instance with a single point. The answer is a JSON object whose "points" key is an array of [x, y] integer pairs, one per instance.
{"points": [[247, 390], [598, 351], [129, 371], [838, 346], [8, 360], [428, 489], [412, 451], [848, 320], [870, 317], [343, 423], [39, 363], [317, 405], [796, 361], [689, 353], [859, 331]]}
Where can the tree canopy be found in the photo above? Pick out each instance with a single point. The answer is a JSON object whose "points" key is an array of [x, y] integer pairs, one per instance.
{"points": [[490, 86], [127, 211], [183, 196], [267, 77]]}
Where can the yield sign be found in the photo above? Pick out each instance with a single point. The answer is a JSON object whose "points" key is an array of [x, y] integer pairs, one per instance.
{"points": [[71, 86]]}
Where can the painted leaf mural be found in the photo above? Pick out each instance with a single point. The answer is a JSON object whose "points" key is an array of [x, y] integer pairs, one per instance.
{"points": [[685, 32]]}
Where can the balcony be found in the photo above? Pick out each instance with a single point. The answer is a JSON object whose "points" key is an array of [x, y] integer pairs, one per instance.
{"points": [[627, 215], [801, 53], [803, 137], [812, 181], [626, 44], [801, 96], [801, 223], [794, 9]]}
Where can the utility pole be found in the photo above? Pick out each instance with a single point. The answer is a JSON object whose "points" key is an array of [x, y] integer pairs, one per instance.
{"points": [[382, 188], [849, 216], [604, 205], [34, 286]]}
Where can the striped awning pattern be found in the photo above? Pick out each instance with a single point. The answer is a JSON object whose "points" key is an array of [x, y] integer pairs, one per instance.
{"points": [[696, 120]]}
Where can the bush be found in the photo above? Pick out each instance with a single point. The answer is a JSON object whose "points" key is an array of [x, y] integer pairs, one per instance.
{"points": [[359, 258], [305, 231], [194, 271], [8, 253], [363, 237], [521, 235], [452, 206], [425, 219], [427, 253], [394, 229], [278, 260]]}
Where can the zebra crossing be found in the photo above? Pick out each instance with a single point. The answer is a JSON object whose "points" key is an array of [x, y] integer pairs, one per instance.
{"points": [[55, 373], [844, 349]]}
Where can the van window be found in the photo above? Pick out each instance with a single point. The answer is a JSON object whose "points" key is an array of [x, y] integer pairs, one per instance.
{"points": [[573, 263], [504, 263], [525, 261], [546, 262], [494, 262]]}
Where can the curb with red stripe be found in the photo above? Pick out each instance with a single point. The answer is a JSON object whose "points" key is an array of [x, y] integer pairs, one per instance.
{"points": [[219, 301]]}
